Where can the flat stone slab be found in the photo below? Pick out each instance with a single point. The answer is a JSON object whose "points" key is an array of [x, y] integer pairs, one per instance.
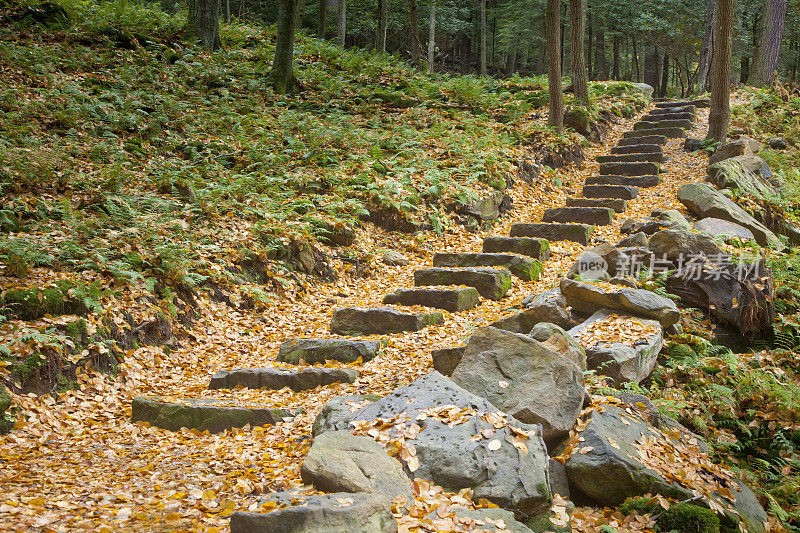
{"points": [[654, 157], [701, 102], [380, 320], [491, 283], [453, 300], [275, 378], [621, 192], [671, 133], [668, 110], [641, 138], [629, 181], [669, 116], [717, 227], [553, 232], [638, 149], [590, 298], [314, 351], [629, 169], [523, 267], [213, 416], [663, 123], [532, 247], [618, 205], [597, 216], [359, 512]]}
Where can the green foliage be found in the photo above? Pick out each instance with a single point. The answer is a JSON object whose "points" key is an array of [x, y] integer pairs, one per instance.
{"points": [[688, 518], [20, 255], [639, 505]]}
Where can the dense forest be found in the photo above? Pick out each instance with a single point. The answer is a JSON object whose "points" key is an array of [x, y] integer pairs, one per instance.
{"points": [[402, 265]]}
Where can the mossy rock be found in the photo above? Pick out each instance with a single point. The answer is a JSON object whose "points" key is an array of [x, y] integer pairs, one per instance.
{"points": [[639, 505], [24, 370], [5, 405], [688, 518], [36, 302], [579, 119]]}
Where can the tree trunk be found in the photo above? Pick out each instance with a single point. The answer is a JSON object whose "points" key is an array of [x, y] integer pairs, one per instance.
{"points": [[577, 65], [482, 65], [323, 8], [416, 45], [341, 27], [615, 65], [708, 41], [652, 69], [227, 11], [555, 117], [203, 23], [664, 77], [590, 43], [601, 68], [494, 41], [636, 60], [765, 62], [511, 61], [719, 116], [432, 36], [383, 24], [282, 71], [744, 69], [298, 14]]}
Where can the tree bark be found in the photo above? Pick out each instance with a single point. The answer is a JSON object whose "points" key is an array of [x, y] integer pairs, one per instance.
{"points": [[555, 117], [636, 60], [615, 64], [227, 11], [601, 68], [482, 65], [298, 14], [719, 116], [577, 65], [511, 61], [416, 46], [768, 51], [383, 23], [323, 8], [708, 42], [341, 27], [590, 43], [203, 23], [664, 77], [282, 70], [432, 36]]}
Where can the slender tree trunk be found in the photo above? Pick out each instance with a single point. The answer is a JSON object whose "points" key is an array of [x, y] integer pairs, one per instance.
{"points": [[590, 43], [708, 42], [511, 61], [744, 69], [601, 68], [720, 113], [298, 15], [282, 71], [636, 60], [664, 77], [203, 22], [432, 36], [341, 27], [227, 11], [563, 31], [555, 117], [577, 65], [494, 41], [416, 45], [482, 65], [323, 8], [383, 25], [765, 63], [615, 64]]}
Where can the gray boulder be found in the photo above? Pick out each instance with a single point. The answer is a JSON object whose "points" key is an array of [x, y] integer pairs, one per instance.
{"points": [[338, 461], [339, 410], [524, 378], [732, 149], [706, 202], [560, 341], [749, 174], [777, 143], [314, 351], [445, 360], [716, 227], [589, 298], [677, 244], [326, 513], [636, 240], [549, 306], [454, 300], [491, 283]]}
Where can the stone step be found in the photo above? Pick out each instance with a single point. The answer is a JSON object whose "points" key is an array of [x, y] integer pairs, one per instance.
{"points": [[537, 248], [453, 300], [612, 203], [655, 157], [663, 123], [579, 233], [380, 320], [671, 133], [596, 216], [630, 181], [670, 110], [629, 169], [213, 416], [638, 149], [611, 191], [525, 268], [491, 283], [276, 379], [641, 138], [670, 116], [313, 351], [445, 360], [701, 102]]}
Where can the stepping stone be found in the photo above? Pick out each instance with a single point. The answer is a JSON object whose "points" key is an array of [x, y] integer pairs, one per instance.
{"points": [[641, 138], [702, 102], [671, 110], [275, 378], [213, 416], [446, 360], [380, 320], [630, 181], [631, 158], [536, 248], [621, 192], [314, 351], [671, 133], [629, 169], [453, 300], [616, 204], [598, 216], [638, 149], [579, 233], [648, 125], [669, 116], [525, 268], [491, 283]]}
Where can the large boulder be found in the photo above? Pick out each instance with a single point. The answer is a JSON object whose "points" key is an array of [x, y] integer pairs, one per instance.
{"points": [[589, 298], [716, 227], [620, 455], [680, 244], [326, 513], [704, 201], [524, 378], [507, 465], [748, 173], [560, 341], [732, 149], [338, 461]]}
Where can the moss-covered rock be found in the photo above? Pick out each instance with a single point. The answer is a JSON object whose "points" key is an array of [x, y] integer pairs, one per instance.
{"points": [[5, 405], [687, 518], [25, 369], [579, 119], [639, 505], [60, 298]]}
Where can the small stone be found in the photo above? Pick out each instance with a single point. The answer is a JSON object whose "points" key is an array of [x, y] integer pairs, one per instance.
{"points": [[393, 258]]}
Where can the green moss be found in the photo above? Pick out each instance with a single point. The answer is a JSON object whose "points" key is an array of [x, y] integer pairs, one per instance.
{"points": [[76, 330], [25, 369], [687, 518], [36, 302], [638, 505], [5, 400]]}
